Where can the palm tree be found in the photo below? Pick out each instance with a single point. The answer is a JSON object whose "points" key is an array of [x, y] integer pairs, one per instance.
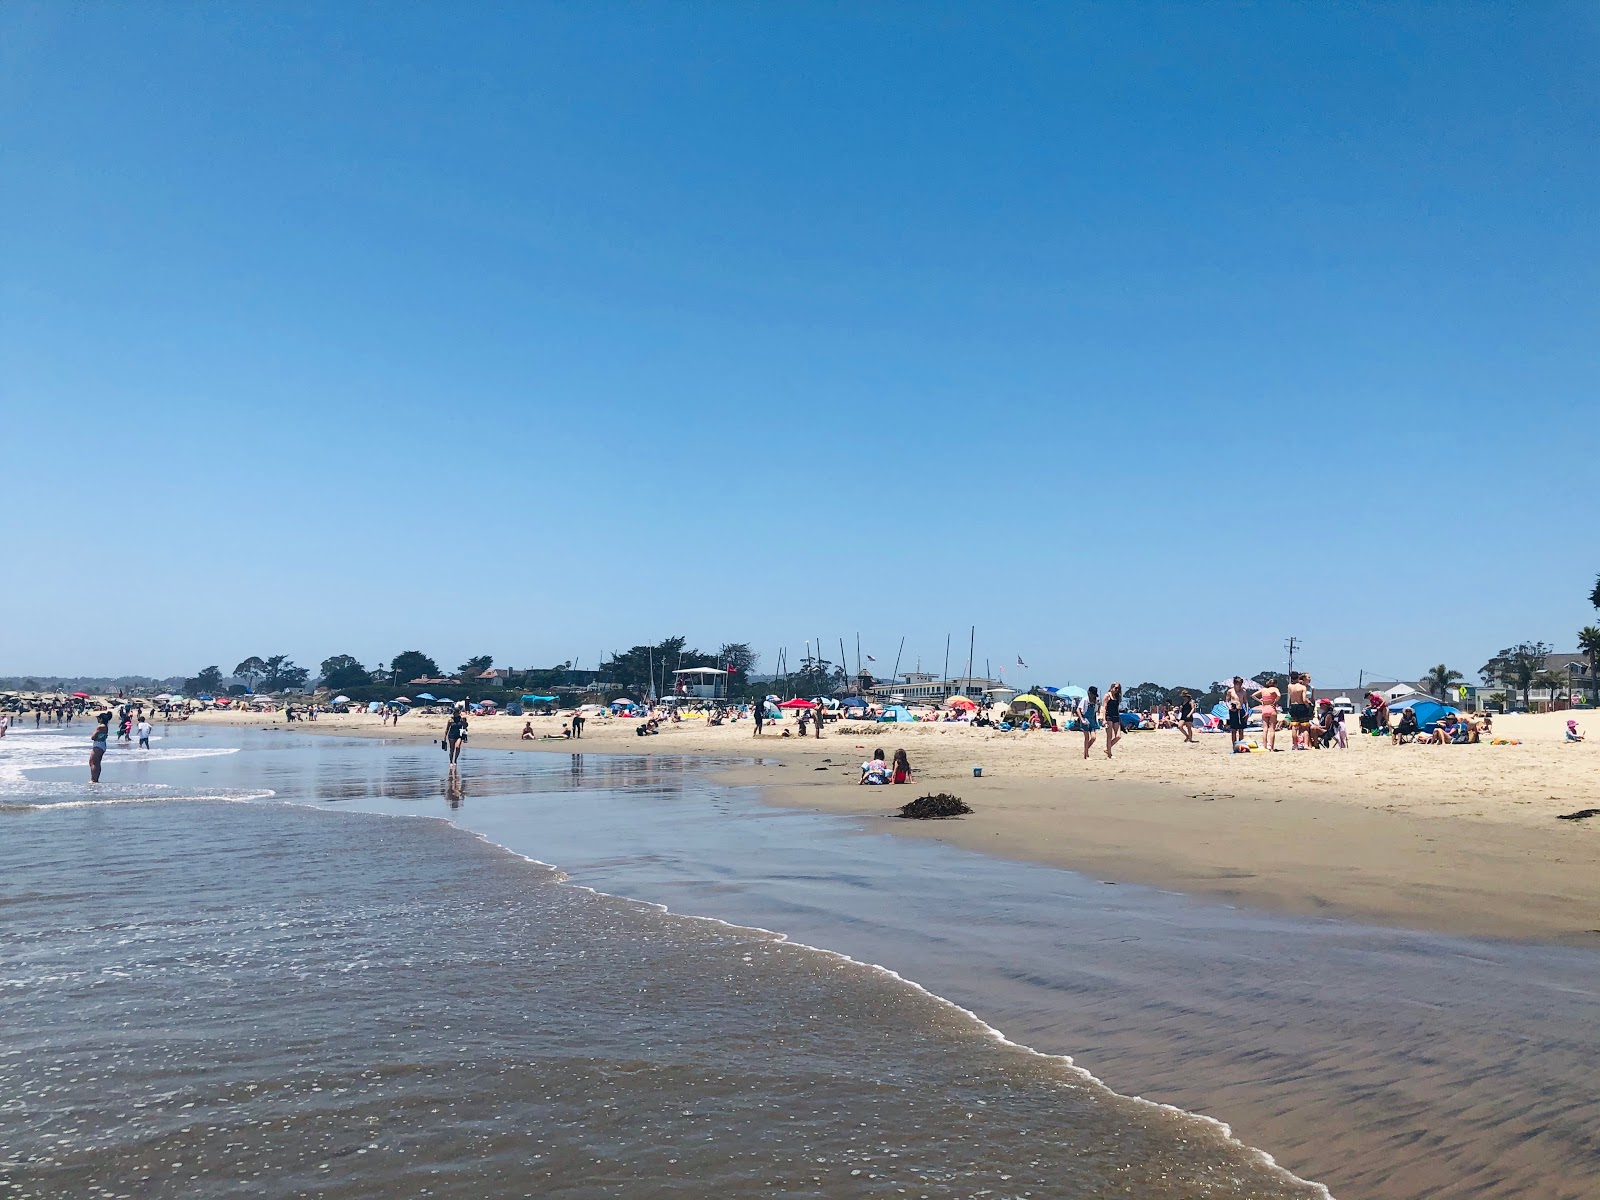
{"points": [[1436, 681], [1589, 644]]}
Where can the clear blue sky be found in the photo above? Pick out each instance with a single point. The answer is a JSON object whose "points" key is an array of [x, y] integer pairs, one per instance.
{"points": [[1141, 337]]}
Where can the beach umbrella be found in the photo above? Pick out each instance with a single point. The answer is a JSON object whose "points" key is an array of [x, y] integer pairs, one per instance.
{"points": [[1072, 693], [402, 700], [797, 703], [341, 699], [1051, 690], [424, 696], [81, 695], [961, 702]]}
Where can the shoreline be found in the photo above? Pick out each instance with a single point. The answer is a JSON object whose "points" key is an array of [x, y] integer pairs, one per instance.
{"points": [[1469, 847]]}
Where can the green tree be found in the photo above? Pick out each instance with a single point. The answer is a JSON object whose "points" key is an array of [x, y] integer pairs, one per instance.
{"points": [[1516, 666], [343, 671], [1554, 682], [209, 681], [1437, 681], [250, 670], [1589, 643], [279, 672], [1594, 596], [475, 666], [412, 664], [1265, 678]]}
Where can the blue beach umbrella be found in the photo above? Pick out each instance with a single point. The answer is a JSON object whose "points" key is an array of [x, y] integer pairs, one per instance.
{"points": [[424, 696], [1073, 693]]}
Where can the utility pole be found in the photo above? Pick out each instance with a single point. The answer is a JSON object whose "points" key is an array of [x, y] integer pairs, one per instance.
{"points": [[1291, 646]]}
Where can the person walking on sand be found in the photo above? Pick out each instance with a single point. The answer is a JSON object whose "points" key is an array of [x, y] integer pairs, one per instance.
{"points": [[97, 745], [1113, 717], [1186, 716], [1089, 718], [760, 709]]}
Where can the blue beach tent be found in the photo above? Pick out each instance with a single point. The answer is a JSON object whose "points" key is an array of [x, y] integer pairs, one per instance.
{"points": [[896, 713], [1429, 712]]}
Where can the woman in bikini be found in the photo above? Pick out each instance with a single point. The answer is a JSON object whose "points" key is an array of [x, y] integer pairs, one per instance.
{"points": [[1270, 695], [97, 746]]}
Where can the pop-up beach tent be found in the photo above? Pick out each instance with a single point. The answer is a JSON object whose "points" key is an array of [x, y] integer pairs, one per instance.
{"points": [[1429, 712], [896, 713], [1027, 701]]}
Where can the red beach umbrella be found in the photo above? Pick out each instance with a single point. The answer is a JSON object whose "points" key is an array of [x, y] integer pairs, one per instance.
{"points": [[797, 703]]}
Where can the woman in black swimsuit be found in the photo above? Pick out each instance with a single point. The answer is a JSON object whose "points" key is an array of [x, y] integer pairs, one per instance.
{"points": [[1186, 716], [1113, 717]]}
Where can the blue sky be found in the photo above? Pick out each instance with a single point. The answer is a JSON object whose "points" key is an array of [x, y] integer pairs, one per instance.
{"points": [[1142, 337]]}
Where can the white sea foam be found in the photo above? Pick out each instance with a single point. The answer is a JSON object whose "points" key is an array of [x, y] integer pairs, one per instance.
{"points": [[23, 751], [982, 1027]]}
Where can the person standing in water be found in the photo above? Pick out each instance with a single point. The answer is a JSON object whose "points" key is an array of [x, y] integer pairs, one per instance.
{"points": [[455, 734], [97, 746], [143, 730]]}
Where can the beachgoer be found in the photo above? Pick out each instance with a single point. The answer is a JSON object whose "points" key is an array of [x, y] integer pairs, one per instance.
{"points": [[1186, 715], [455, 734], [1270, 695], [1238, 703], [1300, 709], [1573, 732], [528, 734], [1089, 717], [97, 745], [816, 722], [577, 724], [759, 711], [143, 730], [1113, 709], [875, 771], [902, 767], [1407, 727]]}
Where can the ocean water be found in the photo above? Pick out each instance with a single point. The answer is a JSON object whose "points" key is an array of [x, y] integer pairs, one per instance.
{"points": [[1383, 1063], [209, 990]]}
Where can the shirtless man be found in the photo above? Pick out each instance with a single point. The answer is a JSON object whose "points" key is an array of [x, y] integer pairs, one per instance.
{"points": [[1238, 701], [1300, 709]]}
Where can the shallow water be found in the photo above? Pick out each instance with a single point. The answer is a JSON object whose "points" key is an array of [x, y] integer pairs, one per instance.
{"points": [[248, 999], [1385, 1063]]}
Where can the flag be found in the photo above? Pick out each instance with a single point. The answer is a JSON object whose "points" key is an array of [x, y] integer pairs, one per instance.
{"points": [[1020, 663]]}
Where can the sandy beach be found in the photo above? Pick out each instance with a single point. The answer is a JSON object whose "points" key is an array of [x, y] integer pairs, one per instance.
{"points": [[1453, 839]]}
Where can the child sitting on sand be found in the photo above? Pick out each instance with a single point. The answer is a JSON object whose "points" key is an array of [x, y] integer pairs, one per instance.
{"points": [[1572, 731]]}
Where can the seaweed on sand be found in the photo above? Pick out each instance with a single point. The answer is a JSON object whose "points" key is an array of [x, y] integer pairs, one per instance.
{"points": [[934, 808]]}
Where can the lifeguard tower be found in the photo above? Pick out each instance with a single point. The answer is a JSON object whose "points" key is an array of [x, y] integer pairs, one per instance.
{"points": [[701, 683]]}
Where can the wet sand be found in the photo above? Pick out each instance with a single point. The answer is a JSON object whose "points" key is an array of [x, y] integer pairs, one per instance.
{"points": [[1460, 839]]}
